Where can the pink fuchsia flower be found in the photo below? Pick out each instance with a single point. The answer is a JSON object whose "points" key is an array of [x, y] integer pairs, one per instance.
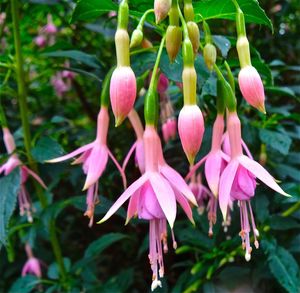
{"points": [[59, 85], [13, 162], [215, 161], [94, 157], [153, 197], [122, 92], [252, 87], [238, 182], [163, 84], [32, 265], [40, 41], [50, 28], [138, 146], [191, 130]]}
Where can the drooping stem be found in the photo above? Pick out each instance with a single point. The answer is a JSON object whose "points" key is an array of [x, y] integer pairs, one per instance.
{"points": [[26, 130], [143, 18], [294, 208], [3, 121]]}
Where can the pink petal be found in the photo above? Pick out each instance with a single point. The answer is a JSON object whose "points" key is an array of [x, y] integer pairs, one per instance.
{"points": [[124, 196], [132, 206], [72, 154], [118, 167], [129, 154], [35, 176], [246, 181], [246, 149], [226, 182], [261, 173], [97, 164], [178, 182], [212, 169], [185, 206], [165, 196], [195, 167]]}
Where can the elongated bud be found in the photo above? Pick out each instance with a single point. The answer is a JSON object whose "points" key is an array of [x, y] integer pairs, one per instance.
{"points": [[191, 130], [173, 41], [189, 80], [252, 88], [161, 9], [243, 50], [122, 47], [8, 140], [188, 11], [210, 55], [194, 35], [122, 92], [136, 38]]}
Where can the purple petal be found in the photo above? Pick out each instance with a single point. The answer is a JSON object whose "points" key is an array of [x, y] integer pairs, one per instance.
{"points": [[72, 154], [178, 183], [226, 182], [129, 154], [124, 196], [165, 196], [261, 173], [132, 206], [97, 164]]}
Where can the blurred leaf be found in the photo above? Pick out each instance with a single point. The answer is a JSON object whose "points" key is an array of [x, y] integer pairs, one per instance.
{"points": [[53, 269], [223, 44], [276, 140], [84, 58], [10, 186], [210, 9], [24, 284], [278, 222], [46, 148], [88, 10], [281, 91], [283, 266], [142, 62]]}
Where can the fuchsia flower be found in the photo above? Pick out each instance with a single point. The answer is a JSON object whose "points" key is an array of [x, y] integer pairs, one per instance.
{"points": [[238, 182], [163, 84], [32, 265], [191, 130], [138, 146], [50, 28], [94, 157], [122, 92], [59, 85], [13, 162], [252, 87], [153, 197], [215, 161]]}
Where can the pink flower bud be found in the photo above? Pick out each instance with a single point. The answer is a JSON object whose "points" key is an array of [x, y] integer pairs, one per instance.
{"points": [[50, 29], [191, 129], [122, 92], [252, 87], [8, 140], [163, 83], [161, 9], [40, 41]]}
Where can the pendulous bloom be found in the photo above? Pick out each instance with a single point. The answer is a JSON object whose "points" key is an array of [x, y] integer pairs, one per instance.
{"points": [[238, 182], [13, 162], [32, 265], [153, 197], [94, 157]]}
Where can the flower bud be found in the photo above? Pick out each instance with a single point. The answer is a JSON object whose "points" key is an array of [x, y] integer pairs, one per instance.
{"points": [[8, 140], [40, 41], [122, 47], [194, 35], [136, 38], [161, 9], [252, 87], [191, 129], [210, 55], [189, 80], [173, 41], [163, 83], [243, 50], [122, 92], [188, 11]]}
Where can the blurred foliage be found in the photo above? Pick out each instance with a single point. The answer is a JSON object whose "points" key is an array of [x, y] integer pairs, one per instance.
{"points": [[112, 257]]}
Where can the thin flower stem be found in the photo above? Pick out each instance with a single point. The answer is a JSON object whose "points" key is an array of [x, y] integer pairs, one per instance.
{"points": [[294, 208], [26, 131]]}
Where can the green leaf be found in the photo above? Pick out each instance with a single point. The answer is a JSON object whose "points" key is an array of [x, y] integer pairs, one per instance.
{"points": [[88, 10], [24, 284], [45, 149], [53, 269], [276, 140], [283, 266], [210, 9], [223, 44], [9, 186], [96, 247], [81, 57], [278, 222]]}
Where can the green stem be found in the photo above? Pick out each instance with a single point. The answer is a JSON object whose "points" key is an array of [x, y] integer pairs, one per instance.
{"points": [[173, 14], [230, 76], [143, 18], [3, 121], [294, 208], [208, 38], [151, 103], [240, 20], [123, 15], [26, 130], [104, 98], [183, 22]]}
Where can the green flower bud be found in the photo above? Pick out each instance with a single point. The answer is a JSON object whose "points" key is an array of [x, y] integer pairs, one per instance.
{"points": [[243, 49], [210, 55], [173, 41], [122, 47], [188, 11], [161, 9], [136, 38], [194, 35]]}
